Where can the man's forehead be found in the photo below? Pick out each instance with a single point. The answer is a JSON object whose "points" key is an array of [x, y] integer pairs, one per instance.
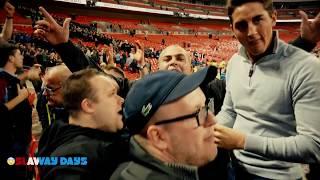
{"points": [[248, 11], [52, 75], [52, 80], [108, 82], [173, 50]]}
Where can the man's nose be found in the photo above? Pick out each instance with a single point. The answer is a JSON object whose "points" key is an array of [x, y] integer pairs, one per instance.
{"points": [[173, 61], [121, 100], [252, 29], [211, 119]]}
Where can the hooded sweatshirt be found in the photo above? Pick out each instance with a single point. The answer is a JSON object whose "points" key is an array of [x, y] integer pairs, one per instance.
{"points": [[103, 152]]}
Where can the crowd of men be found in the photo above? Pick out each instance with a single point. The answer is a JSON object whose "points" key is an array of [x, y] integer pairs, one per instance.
{"points": [[261, 123]]}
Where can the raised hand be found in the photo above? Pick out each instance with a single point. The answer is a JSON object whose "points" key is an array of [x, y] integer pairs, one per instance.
{"points": [[310, 30], [139, 55], [9, 9], [7, 29], [34, 72], [109, 49], [49, 29]]}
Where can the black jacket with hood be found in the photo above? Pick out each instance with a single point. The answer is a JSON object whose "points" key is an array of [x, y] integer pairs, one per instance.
{"points": [[104, 151]]}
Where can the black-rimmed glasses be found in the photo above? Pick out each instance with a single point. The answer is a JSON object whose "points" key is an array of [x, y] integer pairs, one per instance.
{"points": [[201, 116], [50, 90]]}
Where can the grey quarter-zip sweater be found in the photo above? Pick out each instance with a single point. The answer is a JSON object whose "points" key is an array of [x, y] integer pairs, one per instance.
{"points": [[276, 102]]}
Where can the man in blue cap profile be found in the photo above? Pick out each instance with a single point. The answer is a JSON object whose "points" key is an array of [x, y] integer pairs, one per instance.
{"points": [[171, 125]]}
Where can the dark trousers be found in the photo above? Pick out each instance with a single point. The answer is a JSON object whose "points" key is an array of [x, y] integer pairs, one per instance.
{"points": [[240, 173], [216, 169]]}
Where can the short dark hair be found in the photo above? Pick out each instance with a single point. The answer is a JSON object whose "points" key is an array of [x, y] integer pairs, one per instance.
{"points": [[6, 50], [233, 4], [77, 87]]}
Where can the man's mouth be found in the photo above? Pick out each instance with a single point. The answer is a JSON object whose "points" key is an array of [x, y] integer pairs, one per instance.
{"points": [[174, 69], [254, 42], [120, 112]]}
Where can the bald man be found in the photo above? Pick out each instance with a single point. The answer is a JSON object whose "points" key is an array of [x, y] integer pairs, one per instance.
{"points": [[175, 58], [52, 84], [50, 106]]}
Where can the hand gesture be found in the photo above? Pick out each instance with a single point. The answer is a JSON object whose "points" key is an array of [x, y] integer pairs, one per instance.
{"points": [[23, 92], [9, 9], [34, 72], [139, 55], [109, 49], [49, 29], [22, 95], [228, 138], [310, 31]]}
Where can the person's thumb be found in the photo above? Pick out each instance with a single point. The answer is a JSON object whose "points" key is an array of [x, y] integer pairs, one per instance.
{"points": [[18, 87], [304, 17], [66, 23]]}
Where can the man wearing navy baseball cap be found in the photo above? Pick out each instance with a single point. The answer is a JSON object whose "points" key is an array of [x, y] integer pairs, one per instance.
{"points": [[171, 125]]}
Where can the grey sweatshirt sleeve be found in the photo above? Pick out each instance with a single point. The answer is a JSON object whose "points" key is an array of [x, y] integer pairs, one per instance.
{"points": [[304, 147]]}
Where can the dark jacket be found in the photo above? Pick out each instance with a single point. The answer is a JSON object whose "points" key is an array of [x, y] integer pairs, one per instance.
{"points": [[104, 152], [15, 128], [143, 166], [73, 57], [76, 60], [216, 89]]}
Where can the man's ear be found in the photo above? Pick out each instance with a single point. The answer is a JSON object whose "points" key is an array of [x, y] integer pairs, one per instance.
{"points": [[157, 136], [11, 58], [274, 18], [87, 106], [231, 27]]}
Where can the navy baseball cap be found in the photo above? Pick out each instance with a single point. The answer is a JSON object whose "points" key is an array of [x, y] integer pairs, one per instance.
{"points": [[162, 87]]}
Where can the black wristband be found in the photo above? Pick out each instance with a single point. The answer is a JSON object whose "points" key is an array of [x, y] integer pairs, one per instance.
{"points": [[9, 17]]}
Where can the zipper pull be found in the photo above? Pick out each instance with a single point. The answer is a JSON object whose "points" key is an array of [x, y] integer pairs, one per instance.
{"points": [[251, 70]]}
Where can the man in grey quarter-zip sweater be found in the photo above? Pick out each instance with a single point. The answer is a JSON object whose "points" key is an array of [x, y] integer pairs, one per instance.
{"points": [[272, 99]]}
